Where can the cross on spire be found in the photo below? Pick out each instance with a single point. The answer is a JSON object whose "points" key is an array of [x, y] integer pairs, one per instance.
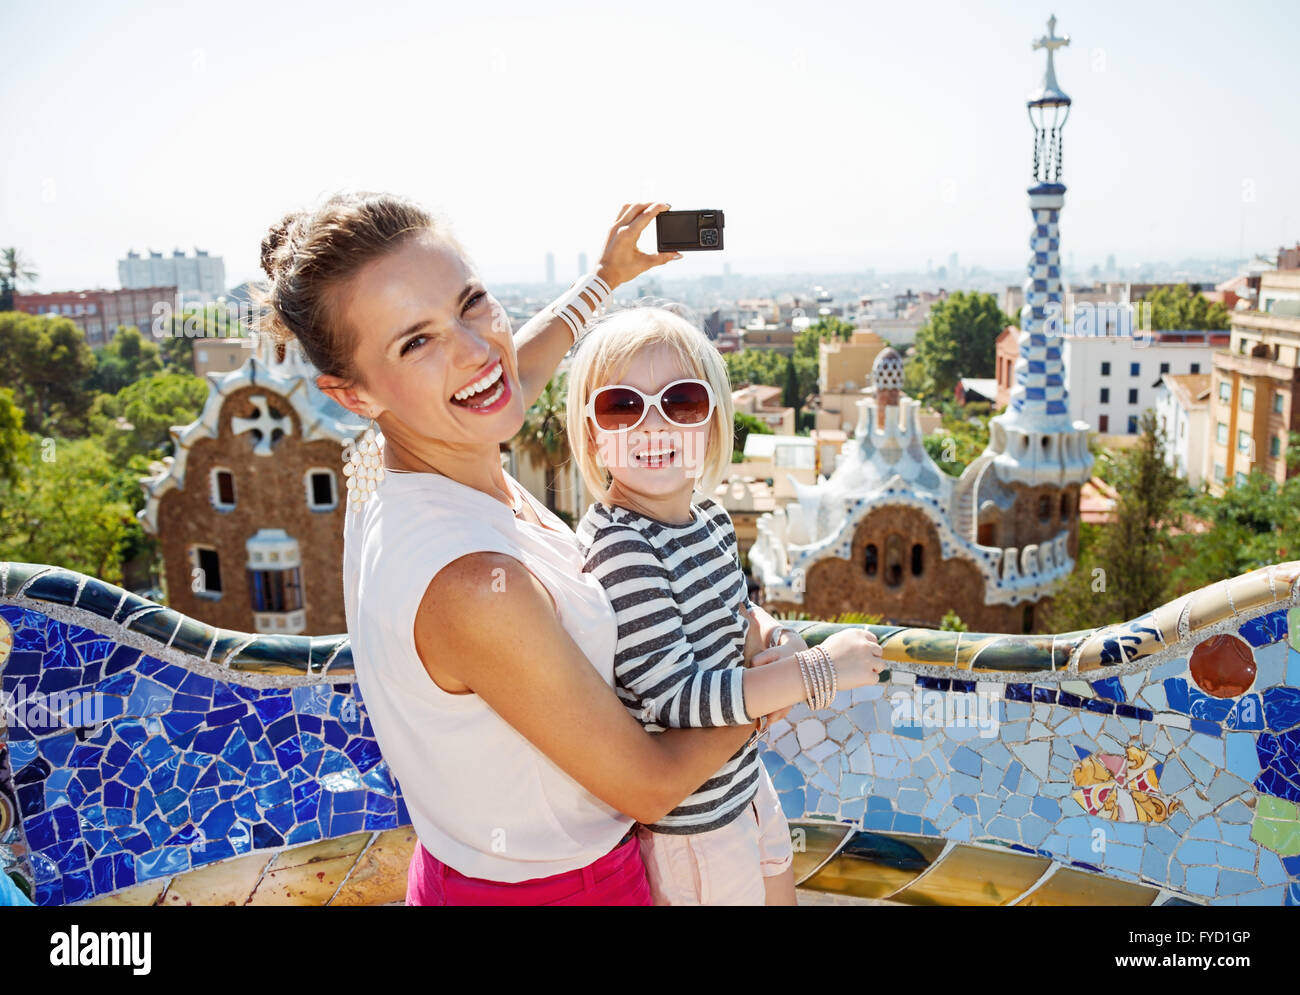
{"points": [[1051, 42]]}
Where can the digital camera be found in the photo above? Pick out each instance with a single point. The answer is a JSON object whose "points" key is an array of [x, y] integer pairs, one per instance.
{"points": [[689, 231]]}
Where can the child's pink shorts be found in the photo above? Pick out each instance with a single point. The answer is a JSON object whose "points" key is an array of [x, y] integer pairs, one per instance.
{"points": [[724, 866], [618, 878]]}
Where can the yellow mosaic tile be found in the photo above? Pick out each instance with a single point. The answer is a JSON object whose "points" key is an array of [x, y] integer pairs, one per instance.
{"points": [[972, 875], [1254, 589], [863, 876], [1073, 887], [303, 884], [813, 842], [1209, 605], [342, 846], [229, 882], [379, 876]]}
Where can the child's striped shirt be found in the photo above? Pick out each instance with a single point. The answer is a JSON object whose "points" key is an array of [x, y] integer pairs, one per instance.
{"points": [[677, 591]]}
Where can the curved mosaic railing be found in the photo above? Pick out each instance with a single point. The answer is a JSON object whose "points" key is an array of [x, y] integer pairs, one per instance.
{"points": [[1151, 762]]}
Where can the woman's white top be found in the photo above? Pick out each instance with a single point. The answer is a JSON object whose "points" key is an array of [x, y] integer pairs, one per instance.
{"points": [[482, 798]]}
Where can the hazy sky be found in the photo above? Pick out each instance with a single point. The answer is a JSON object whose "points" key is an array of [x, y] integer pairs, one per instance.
{"points": [[835, 136]]}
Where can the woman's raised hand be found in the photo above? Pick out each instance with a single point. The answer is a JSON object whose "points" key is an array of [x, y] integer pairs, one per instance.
{"points": [[622, 260]]}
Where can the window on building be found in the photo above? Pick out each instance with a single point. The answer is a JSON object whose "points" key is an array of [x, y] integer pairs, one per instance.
{"points": [[1044, 509], [918, 559], [1277, 402], [1105, 395], [1164, 368], [1027, 619], [92, 308], [1240, 479], [1065, 507], [1135, 369], [1247, 398], [1243, 347], [871, 561], [206, 578], [1103, 423], [276, 590], [322, 490], [1218, 472], [1196, 367], [1221, 434], [987, 534], [1274, 446], [223, 489], [1225, 391], [1243, 440], [894, 560], [1105, 369], [1132, 424], [1132, 395]]}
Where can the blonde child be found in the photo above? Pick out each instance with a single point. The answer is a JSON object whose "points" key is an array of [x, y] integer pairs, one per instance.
{"points": [[650, 422]]}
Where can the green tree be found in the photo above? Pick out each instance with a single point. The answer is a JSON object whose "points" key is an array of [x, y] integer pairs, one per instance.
{"points": [[138, 418], [1178, 309], [542, 438], [127, 358], [63, 509], [958, 340], [951, 622], [790, 397], [825, 329], [1122, 569], [744, 424], [1254, 524], [958, 442], [755, 366], [47, 364], [15, 269], [14, 441]]}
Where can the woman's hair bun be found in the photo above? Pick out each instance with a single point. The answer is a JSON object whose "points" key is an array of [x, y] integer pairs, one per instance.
{"points": [[277, 245]]}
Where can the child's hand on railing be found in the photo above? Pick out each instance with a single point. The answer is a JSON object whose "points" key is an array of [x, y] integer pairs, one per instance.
{"points": [[857, 657]]}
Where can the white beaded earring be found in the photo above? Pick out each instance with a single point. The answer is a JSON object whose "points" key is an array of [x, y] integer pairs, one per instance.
{"points": [[362, 467]]}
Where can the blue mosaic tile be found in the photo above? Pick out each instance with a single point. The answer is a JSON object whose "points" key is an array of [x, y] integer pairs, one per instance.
{"points": [[1265, 629]]}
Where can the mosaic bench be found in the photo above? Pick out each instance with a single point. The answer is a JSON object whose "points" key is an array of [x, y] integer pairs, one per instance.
{"points": [[1152, 762]]}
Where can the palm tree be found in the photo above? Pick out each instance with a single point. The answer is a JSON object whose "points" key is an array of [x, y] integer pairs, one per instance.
{"points": [[542, 438], [14, 269]]}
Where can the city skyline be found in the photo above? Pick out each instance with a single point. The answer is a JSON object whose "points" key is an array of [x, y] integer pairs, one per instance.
{"points": [[846, 150]]}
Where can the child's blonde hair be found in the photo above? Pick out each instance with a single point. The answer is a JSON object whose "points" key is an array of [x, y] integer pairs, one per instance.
{"points": [[603, 356]]}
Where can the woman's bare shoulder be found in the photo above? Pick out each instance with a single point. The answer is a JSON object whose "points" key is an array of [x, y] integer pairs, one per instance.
{"points": [[485, 587]]}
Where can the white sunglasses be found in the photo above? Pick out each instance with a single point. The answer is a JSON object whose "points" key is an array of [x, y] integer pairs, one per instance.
{"points": [[620, 408]]}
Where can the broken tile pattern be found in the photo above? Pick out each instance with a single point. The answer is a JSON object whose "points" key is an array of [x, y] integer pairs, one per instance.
{"points": [[182, 770], [1225, 770], [174, 770]]}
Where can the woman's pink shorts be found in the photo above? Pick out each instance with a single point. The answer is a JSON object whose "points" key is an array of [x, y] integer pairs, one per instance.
{"points": [[618, 878]]}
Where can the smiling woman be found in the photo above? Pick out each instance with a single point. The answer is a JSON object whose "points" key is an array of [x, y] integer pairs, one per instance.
{"points": [[484, 653]]}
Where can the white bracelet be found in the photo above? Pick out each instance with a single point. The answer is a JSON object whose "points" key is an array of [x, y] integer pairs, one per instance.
{"points": [[573, 307]]}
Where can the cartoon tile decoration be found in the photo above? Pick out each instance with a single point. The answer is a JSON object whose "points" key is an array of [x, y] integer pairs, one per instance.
{"points": [[1223, 666], [1122, 788]]}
